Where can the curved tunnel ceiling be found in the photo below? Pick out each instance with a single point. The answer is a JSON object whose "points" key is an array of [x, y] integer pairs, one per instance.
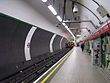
{"points": [[83, 14], [96, 18], [58, 5]]}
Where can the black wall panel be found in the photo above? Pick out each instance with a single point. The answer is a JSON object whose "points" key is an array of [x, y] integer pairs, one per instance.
{"points": [[64, 41], [40, 42], [12, 38], [56, 43]]}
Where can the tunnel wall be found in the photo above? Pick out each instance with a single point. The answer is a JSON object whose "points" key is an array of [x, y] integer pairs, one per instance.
{"points": [[20, 43], [56, 42], [63, 42], [40, 42]]}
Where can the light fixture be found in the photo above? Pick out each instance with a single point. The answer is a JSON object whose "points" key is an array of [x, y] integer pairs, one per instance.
{"points": [[75, 8], [63, 24], [52, 9], [69, 31], [78, 35], [44, 0], [66, 26], [59, 18]]}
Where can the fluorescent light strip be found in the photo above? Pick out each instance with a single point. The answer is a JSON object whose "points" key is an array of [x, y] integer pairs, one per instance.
{"points": [[59, 18], [78, 35], [69, 31], [52, 9], [63, 24], [44, 0]]}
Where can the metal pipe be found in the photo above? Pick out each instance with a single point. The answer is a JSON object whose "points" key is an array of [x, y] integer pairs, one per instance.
{"points": [[96, 2], [64, 8]]}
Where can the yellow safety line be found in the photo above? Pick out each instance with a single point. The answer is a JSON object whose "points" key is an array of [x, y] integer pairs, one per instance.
{"points": [[47, 77]]}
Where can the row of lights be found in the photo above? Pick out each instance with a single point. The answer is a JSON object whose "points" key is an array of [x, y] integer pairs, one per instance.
{"points": [[51, 8]]}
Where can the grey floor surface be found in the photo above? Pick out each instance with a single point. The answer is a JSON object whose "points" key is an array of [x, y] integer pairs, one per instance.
{"points": [[78, 69]]}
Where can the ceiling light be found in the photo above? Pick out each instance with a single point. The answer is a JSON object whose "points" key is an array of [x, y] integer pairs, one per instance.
{"points": [[78, 35], [69, 31], [52, 9], [59, 18], [66, 26], [63, 24], [44, 0]]}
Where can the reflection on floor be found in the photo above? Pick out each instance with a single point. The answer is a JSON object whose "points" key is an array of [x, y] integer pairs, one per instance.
{"points": [[78, 69]]}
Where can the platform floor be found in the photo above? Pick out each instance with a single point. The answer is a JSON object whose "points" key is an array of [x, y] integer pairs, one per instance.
{"points": [[78, 69]]}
